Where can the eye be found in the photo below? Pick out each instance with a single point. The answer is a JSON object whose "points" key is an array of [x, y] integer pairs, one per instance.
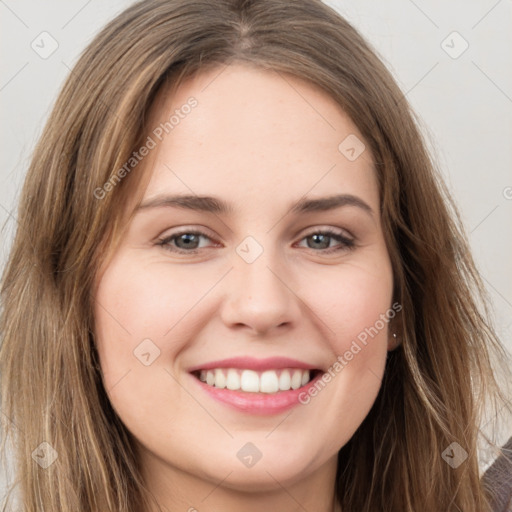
{"points": [[189, 241], [322, 240], [184, 241]]}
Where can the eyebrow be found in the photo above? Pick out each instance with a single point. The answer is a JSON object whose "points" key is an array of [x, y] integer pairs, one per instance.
{"points": [[218, 206]]}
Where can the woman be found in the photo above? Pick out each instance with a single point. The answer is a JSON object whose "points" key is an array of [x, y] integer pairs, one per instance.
{"points": [[238, 282]]}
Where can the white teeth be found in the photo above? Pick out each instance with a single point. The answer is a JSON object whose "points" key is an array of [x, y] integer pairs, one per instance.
{"points": [[269, 381], [233, 380], [220, 379], [285, 380], [249, 381], [296, 379]]}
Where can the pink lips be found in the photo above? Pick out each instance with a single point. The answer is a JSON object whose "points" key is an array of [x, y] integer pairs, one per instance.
{"points": [[251, 363], [257, 403]]}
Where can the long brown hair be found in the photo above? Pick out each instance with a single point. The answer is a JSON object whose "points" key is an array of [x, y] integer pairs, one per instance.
{"points": [[438, 385]]}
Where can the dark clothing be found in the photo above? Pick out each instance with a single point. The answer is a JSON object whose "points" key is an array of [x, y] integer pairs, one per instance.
{"points": [[498, 477]]}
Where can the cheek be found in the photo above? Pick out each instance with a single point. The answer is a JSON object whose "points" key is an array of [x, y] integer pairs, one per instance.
{"points": [[352, 300], [354, 304], [141, 325], [139, 311]]}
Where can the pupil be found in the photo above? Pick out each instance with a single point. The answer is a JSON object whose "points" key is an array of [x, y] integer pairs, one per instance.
{"points": [[318, 238], [187, 239]]}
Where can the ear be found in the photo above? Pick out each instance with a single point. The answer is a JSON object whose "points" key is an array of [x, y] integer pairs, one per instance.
{"points": [[395, 333], [393, 341]]}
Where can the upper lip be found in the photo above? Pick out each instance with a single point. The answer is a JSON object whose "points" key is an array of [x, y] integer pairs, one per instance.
{"points": [[251, 363]]}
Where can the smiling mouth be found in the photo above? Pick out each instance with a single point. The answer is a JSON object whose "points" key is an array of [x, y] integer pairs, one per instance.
{"points": [[250, 381]]}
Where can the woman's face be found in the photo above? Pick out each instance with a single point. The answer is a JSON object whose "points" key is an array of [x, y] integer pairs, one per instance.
{"points": [[284, 268]]}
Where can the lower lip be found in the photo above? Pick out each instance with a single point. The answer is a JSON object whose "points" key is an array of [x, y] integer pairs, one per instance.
{"points": [[259, 403]]}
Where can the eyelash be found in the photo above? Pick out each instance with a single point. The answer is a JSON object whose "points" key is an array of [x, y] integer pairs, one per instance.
{"points": [[347, 244]]}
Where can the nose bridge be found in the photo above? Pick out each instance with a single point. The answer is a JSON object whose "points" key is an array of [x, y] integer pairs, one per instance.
{"points": [[258, 294]]}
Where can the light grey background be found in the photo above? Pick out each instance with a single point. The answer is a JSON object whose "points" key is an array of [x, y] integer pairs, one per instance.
{"points": [[465, 101]]}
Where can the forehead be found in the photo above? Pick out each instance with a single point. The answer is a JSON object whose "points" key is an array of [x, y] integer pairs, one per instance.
{"points": [[254, 134]]}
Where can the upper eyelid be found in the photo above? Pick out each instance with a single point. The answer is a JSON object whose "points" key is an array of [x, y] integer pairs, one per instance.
{"points": [[203, 231], [185, 229]]}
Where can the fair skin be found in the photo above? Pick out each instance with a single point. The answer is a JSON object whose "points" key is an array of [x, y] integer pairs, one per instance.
{"points": [[259, 141]]}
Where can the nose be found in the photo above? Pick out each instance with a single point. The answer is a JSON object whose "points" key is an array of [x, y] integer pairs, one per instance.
{"points": [[260, 297]]}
